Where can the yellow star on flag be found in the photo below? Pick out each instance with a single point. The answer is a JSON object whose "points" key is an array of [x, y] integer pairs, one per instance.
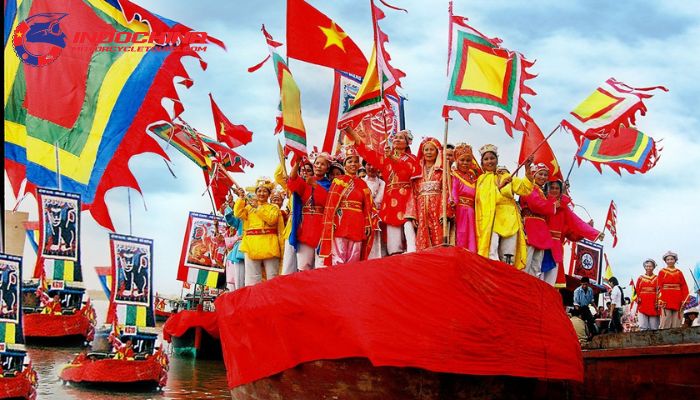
{"points": [[334, 37]]}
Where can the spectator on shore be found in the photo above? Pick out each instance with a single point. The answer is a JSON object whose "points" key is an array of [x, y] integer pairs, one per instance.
{"points": [[583, 297], [690, 317], [579, 325], [616, 304]]}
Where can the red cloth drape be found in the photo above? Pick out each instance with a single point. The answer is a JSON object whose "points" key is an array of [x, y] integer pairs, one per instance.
{"points": [[444, 310], [178, 323]]}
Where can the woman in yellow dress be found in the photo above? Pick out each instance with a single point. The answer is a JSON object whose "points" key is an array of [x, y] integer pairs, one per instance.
{"points": [[499, 228], [263, 225]]}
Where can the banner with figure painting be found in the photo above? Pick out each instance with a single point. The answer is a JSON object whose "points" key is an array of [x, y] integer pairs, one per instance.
{"points": [[10, 299], [203, 251]]}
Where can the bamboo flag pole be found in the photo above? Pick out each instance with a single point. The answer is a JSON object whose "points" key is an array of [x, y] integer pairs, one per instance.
{"points": [[445, 174], [537, 148]]}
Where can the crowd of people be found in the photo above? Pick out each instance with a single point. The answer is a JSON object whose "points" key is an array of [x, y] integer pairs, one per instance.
{"points": [[367, 202], [663, 301]]}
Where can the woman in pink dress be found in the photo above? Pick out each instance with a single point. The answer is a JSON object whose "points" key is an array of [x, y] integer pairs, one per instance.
{"points": [[462, 196]]}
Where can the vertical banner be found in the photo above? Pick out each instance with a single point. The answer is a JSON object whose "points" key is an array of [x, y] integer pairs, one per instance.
{"points": [[587, 261], [344, 90], [59, 237], [10, 300], [132, 279], [203, 251]]}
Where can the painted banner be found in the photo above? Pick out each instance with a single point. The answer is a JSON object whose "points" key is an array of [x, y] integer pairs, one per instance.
{"points": [[132, 265], [10, 299], [203, 251], [587, 261], [59, 214]]}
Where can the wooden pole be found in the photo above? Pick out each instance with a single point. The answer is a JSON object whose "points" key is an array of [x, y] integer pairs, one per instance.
{"points": [[536, 148], [58, 166], [445, 175]]}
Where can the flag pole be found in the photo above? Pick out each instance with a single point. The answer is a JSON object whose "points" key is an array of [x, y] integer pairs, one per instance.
{"points": [[537, 148], [58, 166], [128, 199], [445, 174]]}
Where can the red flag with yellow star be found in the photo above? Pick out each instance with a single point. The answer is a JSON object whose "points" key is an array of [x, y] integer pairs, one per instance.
{"points": [[534, 143], [315, 38]]}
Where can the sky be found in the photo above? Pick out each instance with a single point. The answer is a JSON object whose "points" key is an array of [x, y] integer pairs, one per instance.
{"points": [[577, 45]]}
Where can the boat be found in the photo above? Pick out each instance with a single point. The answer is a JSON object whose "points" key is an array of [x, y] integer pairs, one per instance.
{"points": [[17, 376], [57, 272], [129, 354], [166, 307], [438, 324], [193, 331]]}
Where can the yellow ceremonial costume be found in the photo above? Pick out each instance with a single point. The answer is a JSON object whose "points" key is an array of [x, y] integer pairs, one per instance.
{"points": [[497, 212], [262, 225]]}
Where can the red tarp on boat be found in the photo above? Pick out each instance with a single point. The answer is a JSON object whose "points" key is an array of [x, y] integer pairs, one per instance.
{"points": [[115, 371], [48, 325], [443, 310], [180, 322], [18, 387]]}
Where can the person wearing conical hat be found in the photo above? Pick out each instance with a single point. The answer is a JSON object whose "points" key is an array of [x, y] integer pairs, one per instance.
{"points": [[427, 189], [535, 208], [312, 192], [262, 224], [500, 234], [462, 195], [398, 166], [673, 291], [347, 221]]}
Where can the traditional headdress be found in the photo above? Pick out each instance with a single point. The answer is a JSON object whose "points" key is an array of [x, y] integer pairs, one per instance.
{"points": [[314, 155], [649, 260], [348, 151], [671, 254], [488, 148], [278, 191], [262, 182], [535, 168], [405, 132], [336, 164], [462, 149], [438, 146]]}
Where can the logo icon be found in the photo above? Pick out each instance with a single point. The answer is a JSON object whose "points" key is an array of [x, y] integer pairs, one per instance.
{"points": [[38, 40], [587, 261]]}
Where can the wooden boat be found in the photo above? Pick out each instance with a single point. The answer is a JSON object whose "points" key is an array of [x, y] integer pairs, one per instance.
{"points": [[193, 334], [166, 307], [129, 354], [17, 377], [384, 329]]}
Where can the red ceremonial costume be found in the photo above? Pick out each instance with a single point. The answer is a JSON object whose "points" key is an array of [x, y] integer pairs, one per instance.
{"points": [[672, 288], [427, 188], [397, 171], [646, 295], [314, 198], [536, 208], [565, 224], [348, 215]]}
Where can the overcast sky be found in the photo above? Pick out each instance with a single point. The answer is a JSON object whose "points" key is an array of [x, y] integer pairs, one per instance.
{"points": [[577, 45]]}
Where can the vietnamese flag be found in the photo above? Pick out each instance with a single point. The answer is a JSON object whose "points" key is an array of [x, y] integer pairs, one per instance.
{"points": [[226, 132], [532, 137], [315, 38]]}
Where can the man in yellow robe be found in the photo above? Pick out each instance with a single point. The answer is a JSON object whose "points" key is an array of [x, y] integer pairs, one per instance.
{"points": [[500, 234], [262, 224]]}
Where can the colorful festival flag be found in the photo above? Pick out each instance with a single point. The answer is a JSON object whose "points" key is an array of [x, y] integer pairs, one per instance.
{"points": [[626, 148], [633, 298], [104, 274], [485, 78], [315, 38], [611, 222], [93, 105], [203, 251], [533, 137], [183, 140], [612, 104], [608, 269], [11, 301], [226, 132], [131, 301], [379, 80], [587, 260]]}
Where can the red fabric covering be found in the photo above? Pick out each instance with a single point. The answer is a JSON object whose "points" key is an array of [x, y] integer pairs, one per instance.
{"points": [[111, 371], [180, 322], [19, 386], [47, 325], [444, 310]]}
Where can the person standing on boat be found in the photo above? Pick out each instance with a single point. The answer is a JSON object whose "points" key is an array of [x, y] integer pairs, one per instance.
{"points": [[235, 268], [262, 224], [463, 193], [376, 187], [500, 234], [347, 221], [616, 304], [536, 208], [53, 307], [427, 189], [288, 236], [398, 166], [583, 297], [311, 192], [673, 290], [647, 307]]}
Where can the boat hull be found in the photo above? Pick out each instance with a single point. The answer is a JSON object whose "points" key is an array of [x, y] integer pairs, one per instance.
{"points": [[21, 386], [197, 343], [138, 374], [162, 316], [59, 329]]}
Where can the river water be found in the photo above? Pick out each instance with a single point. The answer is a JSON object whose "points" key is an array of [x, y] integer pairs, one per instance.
{"points": [[187, 378]]}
